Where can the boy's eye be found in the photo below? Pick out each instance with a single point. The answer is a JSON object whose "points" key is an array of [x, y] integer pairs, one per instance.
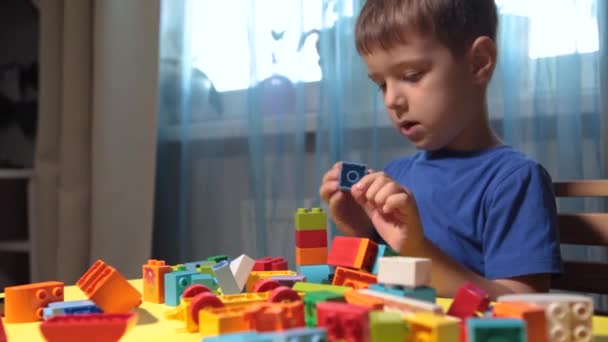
{"points": [[382, 87], [412, 76]]}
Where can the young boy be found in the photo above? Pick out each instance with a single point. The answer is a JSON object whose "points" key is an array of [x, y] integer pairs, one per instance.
{"points": [[482, 211]]}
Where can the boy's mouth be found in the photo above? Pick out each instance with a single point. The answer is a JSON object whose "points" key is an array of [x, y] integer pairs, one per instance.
{"points": [[409, 128]]}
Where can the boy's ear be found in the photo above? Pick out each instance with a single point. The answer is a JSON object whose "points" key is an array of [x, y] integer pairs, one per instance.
{"points": [[483, 59]]}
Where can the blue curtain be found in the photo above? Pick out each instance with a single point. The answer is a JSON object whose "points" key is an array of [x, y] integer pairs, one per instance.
{"points": [[258, 99]]}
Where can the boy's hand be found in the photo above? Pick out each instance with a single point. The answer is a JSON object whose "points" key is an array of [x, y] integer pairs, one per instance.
{"points": [[350, 218], [392, 210]]}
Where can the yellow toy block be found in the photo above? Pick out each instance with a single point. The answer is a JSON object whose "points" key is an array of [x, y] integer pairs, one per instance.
{"points": [[180, 313], [428, 327], [254, 277], [224, 320]]}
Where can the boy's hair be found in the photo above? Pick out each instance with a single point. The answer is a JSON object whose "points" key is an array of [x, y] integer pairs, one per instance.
{"points": [[382, 24]]}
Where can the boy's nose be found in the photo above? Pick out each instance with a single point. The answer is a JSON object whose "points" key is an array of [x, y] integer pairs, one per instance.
{"points": [[394, 99]]}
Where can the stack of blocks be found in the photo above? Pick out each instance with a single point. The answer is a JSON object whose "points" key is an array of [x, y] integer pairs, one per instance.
{"points": [[311, 244]]}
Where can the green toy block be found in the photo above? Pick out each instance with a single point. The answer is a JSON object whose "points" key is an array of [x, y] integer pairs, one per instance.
{"points": [[312, 287], [495, 329], [310, 219], [387, 326], [218, 258], [179, 268], [206, 268], [310, 304], [207, 280]]}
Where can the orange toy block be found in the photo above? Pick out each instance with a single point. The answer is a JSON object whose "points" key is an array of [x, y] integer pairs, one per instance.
{"points": [[356, 298], [109, 289], [24, 303], [153, 274], [533, 315], [87, 327], [352, 278], [275, 316], [311, 256]]}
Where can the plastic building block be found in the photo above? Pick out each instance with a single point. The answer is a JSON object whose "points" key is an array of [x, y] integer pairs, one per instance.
{"points": [[352, 252], [109, 289], [311, 287], [240, 299], [225, 278], [359, 299], [194, 265], [310, 304], [218, 258], [279, 264], [310, 219], [425, 293], [351, 173], [188, 305], [315, 273], [217, 321], [288, 280], [245, 336], [311, 256], [470, 301], [311, 238], [206, 268], [297, 335], [403, 304], [366, 255], [352, 278], [254, 277], [344, 321], [495, 329], [383, 251], [153, 275], [175, 284], [241, 268], [283, 294], [178, 268], [275, 316], [533, 315], [87, 327], [387, 327], [25, 303], [70, 308], [206, 280], [3, 337], [404, 271], [270, 264], [429, 327], [266, 285]]}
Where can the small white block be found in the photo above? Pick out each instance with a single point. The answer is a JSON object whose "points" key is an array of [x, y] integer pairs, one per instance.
{"points": [[225, 278], [241, 268], [404, 271]]}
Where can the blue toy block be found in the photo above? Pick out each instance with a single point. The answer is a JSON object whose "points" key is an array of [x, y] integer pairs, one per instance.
{"points": [[425, 293], [175, 284], [297, 335], [350, 174], [494, 329], [205, 279], [225, 278], [70, 308], [383, 251], [244, 336], [315, 273], [194, 265]]}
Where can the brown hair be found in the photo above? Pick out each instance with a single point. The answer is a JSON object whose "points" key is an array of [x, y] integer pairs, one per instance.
{"points": [[382, 24]]}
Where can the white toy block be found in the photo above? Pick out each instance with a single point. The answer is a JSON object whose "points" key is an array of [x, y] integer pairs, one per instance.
{"points": [[403, 304], [404, 271], [241, 268], [569, 317], [225, 278]]}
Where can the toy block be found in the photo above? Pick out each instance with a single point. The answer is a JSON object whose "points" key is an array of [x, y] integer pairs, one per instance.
{"points": [[245, 336], [175, 284], [270, 264], [429, 327], [310, 219], [297, 335], [352, 252], [569, 316], [25, 303], [315, 273], [311, 238], [495, 329], [404, 271], [310, 304], [350, 174], [87, 327], [194, 265], [275, 316], [153, 275], [225, 278], [206, 268], [366, 255], [470, 300], [288, 280], [356, 298], [70, 308], [533, 315], [403, 304], [206, 280], [383, 251], [266, 285], [109, 289], [387, 327], [3, 337], [279, 264], [243, 299], [425, 293], [241, 268], [311, 256], [312, 287], [254, 277], [352, 278], [218, 321], [178, 268], [343, 321], [218, 258]]}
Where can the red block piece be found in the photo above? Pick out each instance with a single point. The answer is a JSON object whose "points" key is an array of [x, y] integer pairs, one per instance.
{"points": [[311, 238], [2, 332], [279, 264], [352, 252], [87, 327], [270, 264], [344, 321], [469, 301]]}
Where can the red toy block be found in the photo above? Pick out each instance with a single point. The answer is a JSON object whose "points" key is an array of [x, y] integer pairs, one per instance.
{"points": [[24, 303], [275, 316], [352, 278], [154, 280], [265, 285], [470, 300], [311, 238], [352, 252], [2, 332], [109, 289], [344, 321], [279, 264], [101, 327], [270, 264]]}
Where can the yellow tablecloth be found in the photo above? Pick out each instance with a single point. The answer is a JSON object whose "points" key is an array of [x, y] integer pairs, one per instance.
{"points": [[152, 325]]}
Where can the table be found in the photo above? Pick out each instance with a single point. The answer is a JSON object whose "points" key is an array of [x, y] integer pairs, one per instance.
{"points": [[152, 325]]}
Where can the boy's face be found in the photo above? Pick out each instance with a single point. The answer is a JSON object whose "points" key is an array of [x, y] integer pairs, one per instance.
{"points": [[430, 95]]}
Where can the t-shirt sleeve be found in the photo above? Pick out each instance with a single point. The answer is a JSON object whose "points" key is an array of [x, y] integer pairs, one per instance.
{"points": [[520, 236]]}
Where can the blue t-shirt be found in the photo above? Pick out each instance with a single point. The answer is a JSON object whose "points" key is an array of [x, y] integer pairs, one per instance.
{"points": [[492, 210]]}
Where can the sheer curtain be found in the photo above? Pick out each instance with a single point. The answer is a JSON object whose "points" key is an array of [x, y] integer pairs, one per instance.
{"points": [[258, 99]]}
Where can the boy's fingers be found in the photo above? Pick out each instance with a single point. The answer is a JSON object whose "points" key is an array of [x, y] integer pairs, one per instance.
{"points": [[397, 203], [387, 189], [330, 175], [327, 189]]}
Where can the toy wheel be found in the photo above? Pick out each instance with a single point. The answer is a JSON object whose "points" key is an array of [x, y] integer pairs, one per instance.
{"points": [[283, 294], [193, 290], [202, 301], [266, 285]]}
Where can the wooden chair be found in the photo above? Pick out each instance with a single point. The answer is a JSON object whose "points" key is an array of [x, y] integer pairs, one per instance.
{"points": [[587, 229]]}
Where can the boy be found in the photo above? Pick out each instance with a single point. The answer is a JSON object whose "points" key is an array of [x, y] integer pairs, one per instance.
{"points": [[480, 210]]}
